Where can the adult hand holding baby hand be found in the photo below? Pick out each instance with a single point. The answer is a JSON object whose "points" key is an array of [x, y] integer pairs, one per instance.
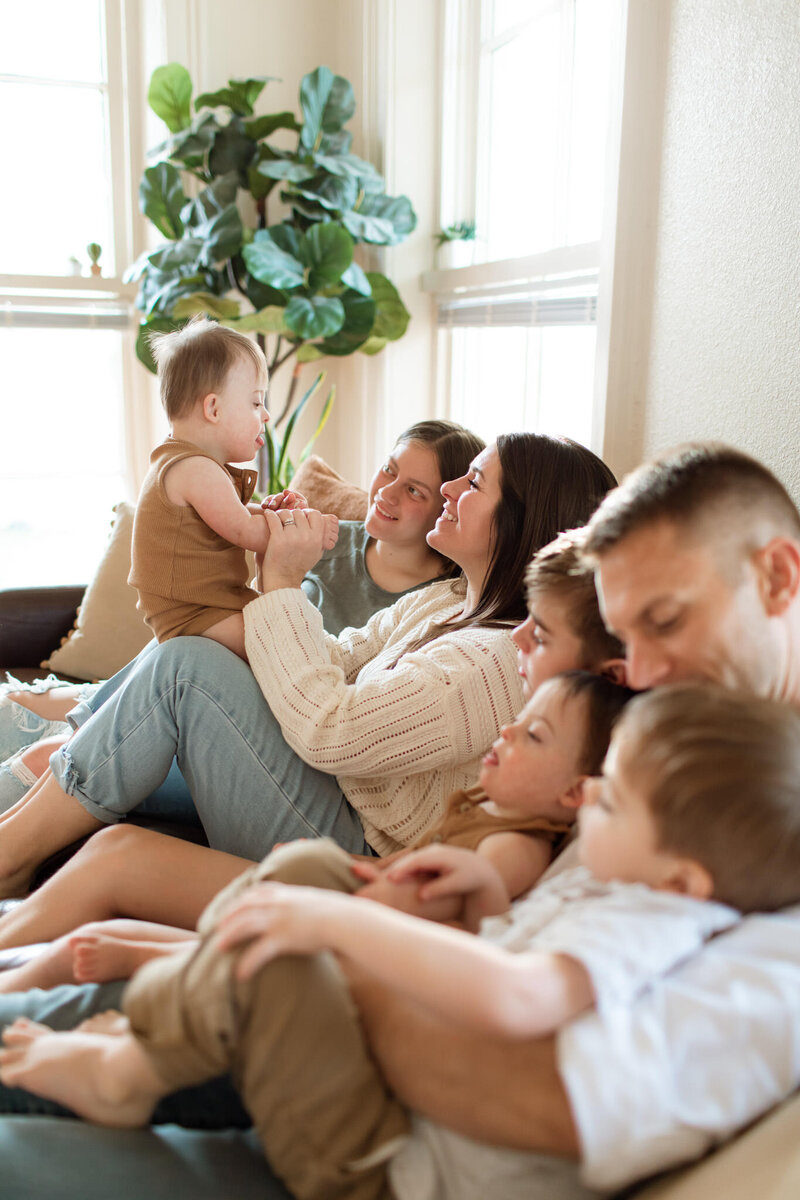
{"points": [[296, 543]]}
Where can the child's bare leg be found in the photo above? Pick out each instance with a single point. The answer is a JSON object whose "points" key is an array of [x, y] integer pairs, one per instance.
{"points": [[109, 950], [229, 633], [35, 762], [49, 969], [123, 871], [52, 705], [104, 1078]]}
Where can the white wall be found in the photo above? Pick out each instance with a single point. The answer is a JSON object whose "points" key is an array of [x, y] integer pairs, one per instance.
{"points": [[719, 344]]}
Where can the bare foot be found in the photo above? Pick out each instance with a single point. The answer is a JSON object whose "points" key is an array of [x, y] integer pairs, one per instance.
{"points": [[24, 1031], [101, 957], [112, 1023], [108, 1080]]}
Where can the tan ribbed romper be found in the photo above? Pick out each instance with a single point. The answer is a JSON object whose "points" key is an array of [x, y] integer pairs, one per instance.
{"points": [[187, 576]]}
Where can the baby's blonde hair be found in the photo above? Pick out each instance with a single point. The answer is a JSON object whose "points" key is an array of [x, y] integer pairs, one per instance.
{"points": [[721, 773], [194, 361]]}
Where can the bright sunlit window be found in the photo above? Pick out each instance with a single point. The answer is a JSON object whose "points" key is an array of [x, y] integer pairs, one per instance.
{"points": [[64, 331], [528, 95]]}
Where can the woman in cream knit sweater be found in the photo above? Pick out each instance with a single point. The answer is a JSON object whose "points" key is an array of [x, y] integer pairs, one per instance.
{"points": [[360, 738]]}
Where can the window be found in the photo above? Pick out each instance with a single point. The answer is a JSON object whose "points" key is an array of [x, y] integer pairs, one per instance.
{"points": [[69, 379], [526, 106]]}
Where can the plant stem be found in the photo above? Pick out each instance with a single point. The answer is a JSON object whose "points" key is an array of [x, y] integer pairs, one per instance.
{"points": [[274, 360], [289, 395]]}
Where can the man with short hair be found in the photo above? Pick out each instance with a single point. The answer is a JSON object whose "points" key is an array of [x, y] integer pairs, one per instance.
{"points": [[697, 558]]}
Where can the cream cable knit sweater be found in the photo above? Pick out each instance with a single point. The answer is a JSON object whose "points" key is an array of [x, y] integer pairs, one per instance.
{"points": [[399, 740]]}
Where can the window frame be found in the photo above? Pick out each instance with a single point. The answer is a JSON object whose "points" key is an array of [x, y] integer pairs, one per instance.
{"points": [[464, 122]]}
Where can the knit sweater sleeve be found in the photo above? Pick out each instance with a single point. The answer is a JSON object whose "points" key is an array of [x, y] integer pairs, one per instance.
{"points": [[438, 706]]}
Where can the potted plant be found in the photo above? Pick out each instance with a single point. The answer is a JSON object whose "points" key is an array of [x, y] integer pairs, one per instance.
{"points": [[293, 281], [455, 245]]}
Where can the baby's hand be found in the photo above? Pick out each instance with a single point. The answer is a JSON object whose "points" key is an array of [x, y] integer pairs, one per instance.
{"points": [[331, 531], [284, 499], [446, 871]]}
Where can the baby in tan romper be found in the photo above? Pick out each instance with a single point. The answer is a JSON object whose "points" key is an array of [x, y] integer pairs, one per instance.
{"points": [[193, 519]]}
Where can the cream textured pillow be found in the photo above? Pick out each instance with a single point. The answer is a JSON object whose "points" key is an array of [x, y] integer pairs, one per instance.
{"points": [[326, 490], [108, 631]]}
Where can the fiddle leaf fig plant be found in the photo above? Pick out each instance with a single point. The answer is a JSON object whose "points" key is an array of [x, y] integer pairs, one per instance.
{"points": [[294, 280]]}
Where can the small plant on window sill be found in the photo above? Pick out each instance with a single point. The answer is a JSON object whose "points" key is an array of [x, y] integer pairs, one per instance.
{"points": [[94, 251], [293, 280], [455, 245]]}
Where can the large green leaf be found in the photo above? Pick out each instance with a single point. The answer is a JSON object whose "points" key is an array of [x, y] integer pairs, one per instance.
{"points": [[153, 325], [268, 320], [269, 264], [279, 168], [204, 302], [240, 95], [368, 229], [221, 235], [348, 166], [397, 210], [392, 316], [261, 295], [232, 150], [190, 146], [288, 238], [159, 290], [336, 143], [308, 353], [334, 193], [327, 102], [328, 250], [161, 198], [359, 316], [373, 345], [355, 278], [314, 316], [261, 127], [170, 96], [185, 253], [213, 199], [305, 208]]}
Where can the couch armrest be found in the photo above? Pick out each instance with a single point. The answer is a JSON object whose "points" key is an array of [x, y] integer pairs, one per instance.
{"points": [[33, 621]]}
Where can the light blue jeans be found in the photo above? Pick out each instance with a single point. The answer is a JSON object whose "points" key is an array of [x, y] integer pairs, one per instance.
{"points": [[193, 700]]}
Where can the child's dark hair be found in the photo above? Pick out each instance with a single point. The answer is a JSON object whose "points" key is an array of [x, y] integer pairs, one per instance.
{"points": [[560, 569], [721, 772], [195, 360], [605, 701]]}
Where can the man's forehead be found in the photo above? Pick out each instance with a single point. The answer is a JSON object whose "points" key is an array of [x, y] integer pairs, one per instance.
{"points": [[649, 563]]}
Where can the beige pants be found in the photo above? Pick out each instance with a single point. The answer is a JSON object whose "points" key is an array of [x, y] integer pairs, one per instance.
{"points": [[290, 1037]]}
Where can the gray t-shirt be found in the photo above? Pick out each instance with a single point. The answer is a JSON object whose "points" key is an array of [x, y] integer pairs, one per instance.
{"points": [[340, 585]]}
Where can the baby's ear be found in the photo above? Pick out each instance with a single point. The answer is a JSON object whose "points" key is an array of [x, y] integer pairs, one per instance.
{"points": [[211, 407], [688, 877], [573, 798]]}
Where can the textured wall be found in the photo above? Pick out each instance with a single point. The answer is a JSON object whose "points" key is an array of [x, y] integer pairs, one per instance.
{"points": [[724, 356]]}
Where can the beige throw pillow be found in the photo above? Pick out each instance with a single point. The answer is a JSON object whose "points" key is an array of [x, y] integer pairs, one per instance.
{"points": [[326, 490], [108, 631]]}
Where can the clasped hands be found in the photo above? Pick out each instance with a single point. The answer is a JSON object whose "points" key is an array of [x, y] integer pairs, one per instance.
{"points": [[298, 535]]}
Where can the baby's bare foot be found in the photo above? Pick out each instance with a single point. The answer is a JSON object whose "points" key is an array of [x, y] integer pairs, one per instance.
{"points": [[112, 1023], [101, 957], [108, 1080], [24, 1031]]}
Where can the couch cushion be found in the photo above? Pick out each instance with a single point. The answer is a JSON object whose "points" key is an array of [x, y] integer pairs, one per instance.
{"points": [[326, 490], [108, 631]]}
